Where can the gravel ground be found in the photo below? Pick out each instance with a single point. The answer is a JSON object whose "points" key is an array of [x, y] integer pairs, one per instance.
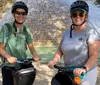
{"points": [[45, 74]]}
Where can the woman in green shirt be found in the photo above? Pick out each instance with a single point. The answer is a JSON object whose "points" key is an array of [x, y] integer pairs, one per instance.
{"points": [[14, 39]]}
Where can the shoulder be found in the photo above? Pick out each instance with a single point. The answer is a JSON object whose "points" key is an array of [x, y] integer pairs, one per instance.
{"points": [[10, 23], [92, 34], [26, 29], [9, 26], [90, 30], [5, 26], [66, 32]]}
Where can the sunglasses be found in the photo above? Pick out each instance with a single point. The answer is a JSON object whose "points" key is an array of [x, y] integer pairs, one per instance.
{"points": [[81, 14], [20, 13]]}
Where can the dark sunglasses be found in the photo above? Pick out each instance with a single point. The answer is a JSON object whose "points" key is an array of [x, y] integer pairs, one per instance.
{"points": [[20, 13], [81, 14]]}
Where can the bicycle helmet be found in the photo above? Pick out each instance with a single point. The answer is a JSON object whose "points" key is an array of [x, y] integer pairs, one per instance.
{"points": [[19, 4], [79, 5]]}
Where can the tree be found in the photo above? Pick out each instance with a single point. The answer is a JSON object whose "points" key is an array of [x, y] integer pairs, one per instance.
{"points": [[97, 2], [4, 5]]}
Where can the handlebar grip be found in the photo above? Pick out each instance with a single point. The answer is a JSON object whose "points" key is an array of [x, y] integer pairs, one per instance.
{"points": [[82, 74], [58, 67], [63, 68], [24, 60], [19, 61], [55, 66]]}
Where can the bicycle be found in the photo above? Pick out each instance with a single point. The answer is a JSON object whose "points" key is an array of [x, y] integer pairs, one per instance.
{"points": [[24, 72], [65, 76]]}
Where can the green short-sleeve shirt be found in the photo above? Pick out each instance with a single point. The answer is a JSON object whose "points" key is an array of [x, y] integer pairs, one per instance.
{"points": [[15, 40]]}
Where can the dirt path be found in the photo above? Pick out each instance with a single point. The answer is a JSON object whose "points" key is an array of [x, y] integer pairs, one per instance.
{"points": [[44, 74]]}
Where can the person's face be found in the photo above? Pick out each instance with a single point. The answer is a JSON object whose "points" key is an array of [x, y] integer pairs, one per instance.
{"points": [[20, 15], [78, 17]]}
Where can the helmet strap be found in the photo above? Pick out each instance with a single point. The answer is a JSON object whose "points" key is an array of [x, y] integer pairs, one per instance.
{"points": [[80, 24], [72, 28], [19, 22]]}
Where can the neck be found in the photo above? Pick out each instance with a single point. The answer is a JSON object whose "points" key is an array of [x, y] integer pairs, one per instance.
{"points": [[18, 26], [79, 28]]}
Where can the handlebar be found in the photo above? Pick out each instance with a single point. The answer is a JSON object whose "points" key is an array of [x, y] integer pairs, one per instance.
{"points": [[19, 61], [66, 69], [24, 60], [60, 68]]}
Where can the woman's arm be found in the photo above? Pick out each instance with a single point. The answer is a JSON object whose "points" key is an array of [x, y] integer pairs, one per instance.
{"points": [[33, 52], [93, 49], [3, 53], [57, 56]]}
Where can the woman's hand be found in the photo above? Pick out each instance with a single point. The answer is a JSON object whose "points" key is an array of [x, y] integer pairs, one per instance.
{"points": [[79, 71], [11, 60], [51, 64], [36, 58]]}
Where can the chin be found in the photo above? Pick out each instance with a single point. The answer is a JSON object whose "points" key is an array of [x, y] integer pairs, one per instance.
{"points": [[78, 23], [20, 21]]}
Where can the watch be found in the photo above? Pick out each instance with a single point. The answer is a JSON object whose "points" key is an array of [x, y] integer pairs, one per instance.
{"points": [[84, 67]]}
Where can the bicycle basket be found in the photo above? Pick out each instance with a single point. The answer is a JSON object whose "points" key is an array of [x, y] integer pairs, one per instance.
{"points": [[25, 76], [62, 78]]}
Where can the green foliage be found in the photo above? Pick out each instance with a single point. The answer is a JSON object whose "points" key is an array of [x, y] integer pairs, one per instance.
{"points": [[97, 2], [45, 52]]}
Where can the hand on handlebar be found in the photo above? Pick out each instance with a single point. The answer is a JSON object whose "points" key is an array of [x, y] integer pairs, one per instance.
{"points": [[79, 71], [51, 64], [12, 60], [37, 58]]}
